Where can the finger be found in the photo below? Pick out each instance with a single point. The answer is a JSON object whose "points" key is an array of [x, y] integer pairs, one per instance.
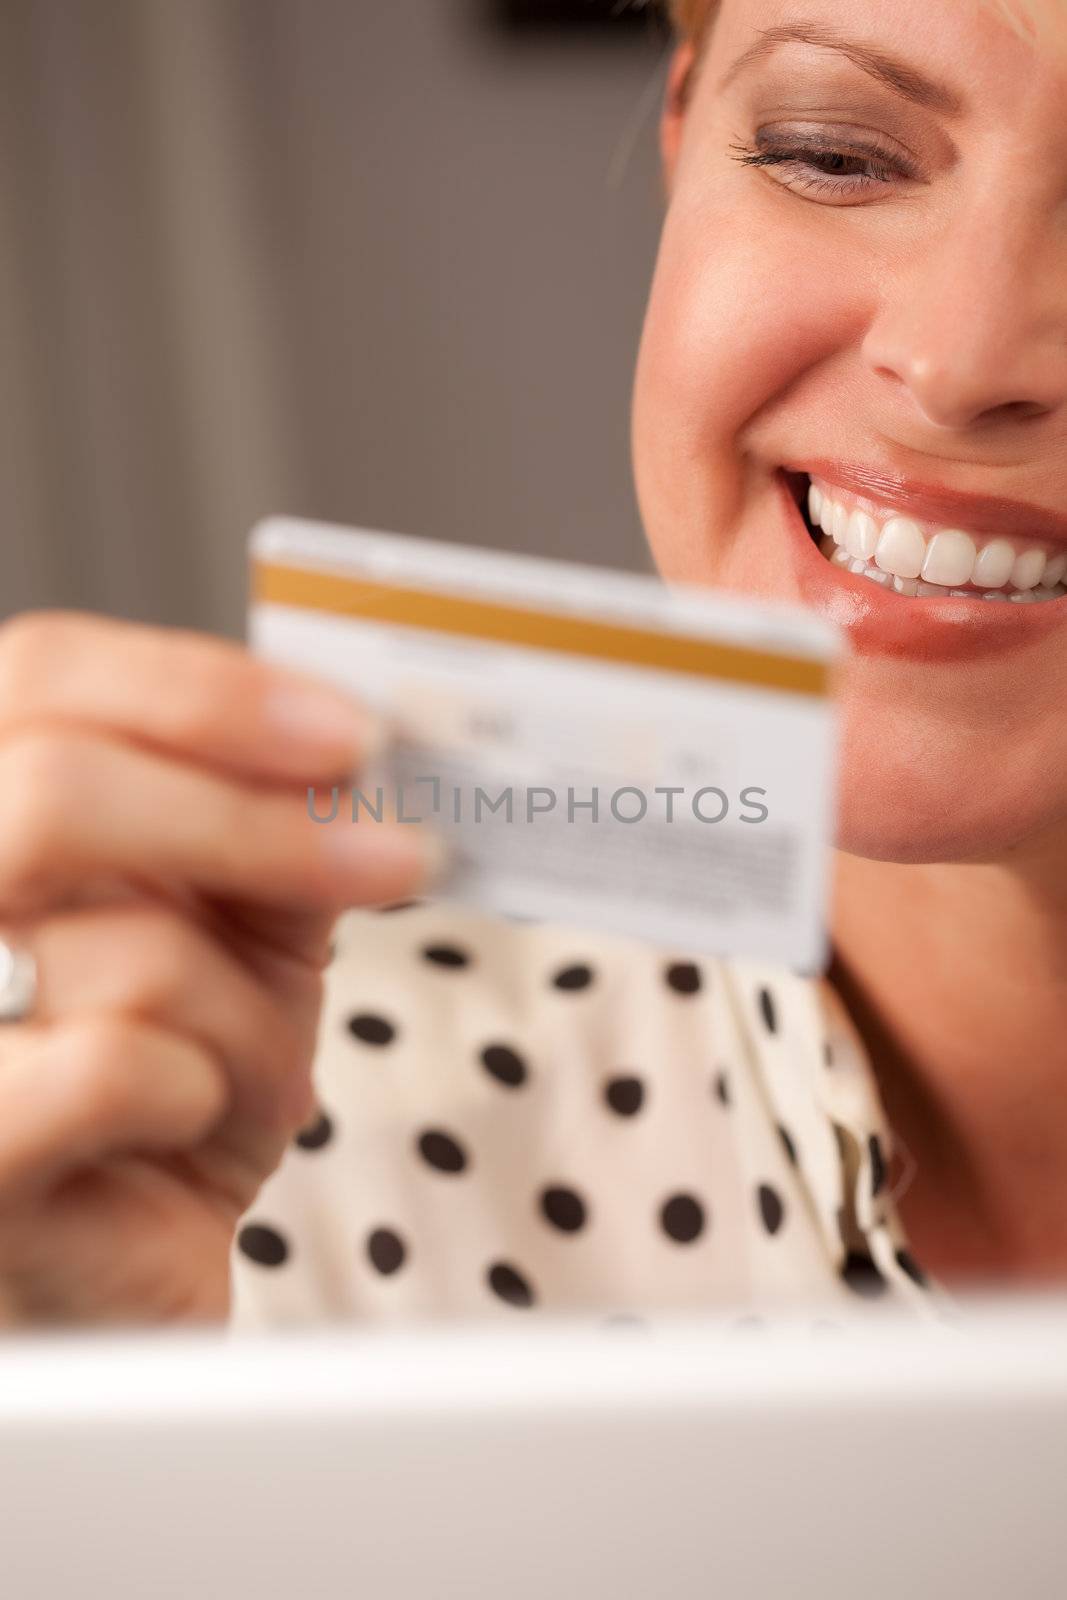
{"points": [[96, 1087], [75, 806], [274, 941], [204, 699], [146, 963]]}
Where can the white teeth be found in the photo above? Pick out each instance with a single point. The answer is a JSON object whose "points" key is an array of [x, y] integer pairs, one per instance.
{"points": [[901, 548], [1028, 569], [950, 557], [993, 564], [861, 536], [897, 555]]}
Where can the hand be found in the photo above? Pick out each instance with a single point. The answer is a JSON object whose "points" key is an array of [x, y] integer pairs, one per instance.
{"points": [[158, 860]]}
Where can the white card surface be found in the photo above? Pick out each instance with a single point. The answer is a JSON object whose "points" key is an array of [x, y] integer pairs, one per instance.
{"points": [[596, 748]]}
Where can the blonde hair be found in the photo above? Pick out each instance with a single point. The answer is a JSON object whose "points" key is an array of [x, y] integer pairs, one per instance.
{"points": [[690, 17], [1028, 17]]}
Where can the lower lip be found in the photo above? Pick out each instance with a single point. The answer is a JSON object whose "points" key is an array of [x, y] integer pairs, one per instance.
{"points": [[879, 623]]}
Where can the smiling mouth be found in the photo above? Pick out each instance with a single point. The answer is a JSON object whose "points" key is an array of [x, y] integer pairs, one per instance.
{"points": [[923, 560]]}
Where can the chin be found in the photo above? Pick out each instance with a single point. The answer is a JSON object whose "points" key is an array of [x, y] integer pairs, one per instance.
{"points": [[919, 797]]}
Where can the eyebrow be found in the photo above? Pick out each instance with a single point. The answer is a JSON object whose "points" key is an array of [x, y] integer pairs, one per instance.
{"points": [[887, 69]]}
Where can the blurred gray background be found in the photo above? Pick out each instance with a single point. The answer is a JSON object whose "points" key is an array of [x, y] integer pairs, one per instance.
{"points": [[378, 261]]}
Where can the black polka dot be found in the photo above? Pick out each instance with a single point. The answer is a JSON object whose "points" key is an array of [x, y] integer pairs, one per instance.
{"points": [[771, 1208], [721, 1088], [625, 1096], [505, 1065], [768, 1011], [386, 1251], [265, 1246], [446, 955], [683, 977], [862, 1276], [682, 1218], [573, 978], [828, 1053], [563, 1208], [907, 1263], [400, 905], [787, 1144], [877, 1164], [316, 1134], [440, 1150], [507, 1283], [371, 1029], [843, 1143]]}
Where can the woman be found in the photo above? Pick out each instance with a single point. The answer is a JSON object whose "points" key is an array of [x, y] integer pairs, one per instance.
{"points": [[852, 392]]}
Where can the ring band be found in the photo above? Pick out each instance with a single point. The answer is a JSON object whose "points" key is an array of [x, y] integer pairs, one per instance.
{"points": [[18, 982]]}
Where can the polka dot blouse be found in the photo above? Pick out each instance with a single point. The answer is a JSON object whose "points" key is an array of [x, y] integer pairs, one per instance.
{"points": [[520, 1118]]}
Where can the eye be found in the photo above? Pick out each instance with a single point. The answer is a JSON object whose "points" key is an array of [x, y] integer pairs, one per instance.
{"points": [[826, 166]]}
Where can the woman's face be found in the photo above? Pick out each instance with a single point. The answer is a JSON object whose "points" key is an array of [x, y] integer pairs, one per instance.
{"points": [[885, 311]]}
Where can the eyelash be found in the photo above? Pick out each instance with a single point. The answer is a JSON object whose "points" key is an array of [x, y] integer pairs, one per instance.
{"points": [[799, 154]]}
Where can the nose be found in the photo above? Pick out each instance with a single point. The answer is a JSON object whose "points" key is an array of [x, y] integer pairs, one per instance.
{"points": [[974, 330]]}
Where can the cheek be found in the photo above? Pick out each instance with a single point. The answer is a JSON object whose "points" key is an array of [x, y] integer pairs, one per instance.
{"points": [[744, 314]]}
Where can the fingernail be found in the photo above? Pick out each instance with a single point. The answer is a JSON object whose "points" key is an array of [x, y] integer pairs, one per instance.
{"points": [[391, 859], [325, 720]]}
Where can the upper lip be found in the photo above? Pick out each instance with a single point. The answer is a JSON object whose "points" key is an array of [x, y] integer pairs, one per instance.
{"points": [[976, 513]]}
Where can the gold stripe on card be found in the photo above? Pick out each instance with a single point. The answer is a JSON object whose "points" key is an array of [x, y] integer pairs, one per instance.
{"points": [[461, 617]]}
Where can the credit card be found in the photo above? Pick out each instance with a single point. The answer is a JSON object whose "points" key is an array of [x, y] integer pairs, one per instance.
{"points": [[596, 748]]}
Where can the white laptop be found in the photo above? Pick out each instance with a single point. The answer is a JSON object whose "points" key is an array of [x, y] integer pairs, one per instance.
{"points": [[688, 1460]]}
